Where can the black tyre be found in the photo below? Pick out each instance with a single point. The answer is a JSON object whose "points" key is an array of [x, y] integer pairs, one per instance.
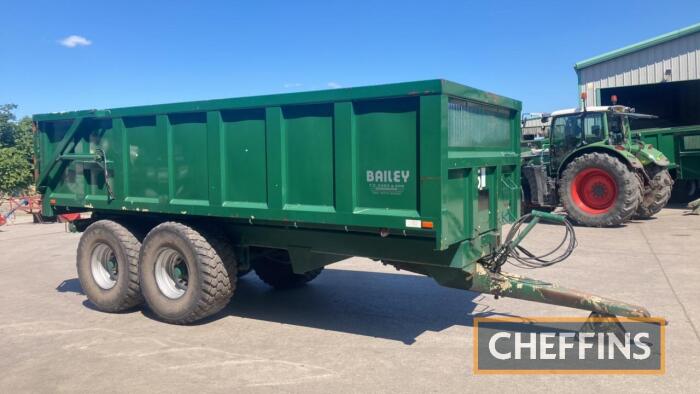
{"points": [[275, 269], [186, 275], [525, 202], [658, 193], [107, 263], [598, 190]]}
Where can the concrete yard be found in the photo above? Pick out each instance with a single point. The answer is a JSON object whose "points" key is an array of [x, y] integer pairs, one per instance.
{"points": [[359, 327]]}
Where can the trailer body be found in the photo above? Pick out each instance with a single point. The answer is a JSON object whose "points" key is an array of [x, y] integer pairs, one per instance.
{"points": [[421, 175], [432, 158]]}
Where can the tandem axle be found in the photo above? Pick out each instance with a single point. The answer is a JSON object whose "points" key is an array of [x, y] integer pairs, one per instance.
{"points": [[240, 248]]}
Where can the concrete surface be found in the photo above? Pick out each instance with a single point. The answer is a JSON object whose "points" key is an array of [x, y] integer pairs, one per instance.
{"points": [[359, 327]]}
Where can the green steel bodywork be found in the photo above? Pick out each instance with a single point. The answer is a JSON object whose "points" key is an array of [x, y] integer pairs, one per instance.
{"points": [[421, 175], [305, 155], [681, 145], [635, 153]]}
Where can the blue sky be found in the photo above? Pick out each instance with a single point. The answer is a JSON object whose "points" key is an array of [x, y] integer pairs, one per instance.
{"points": [[148, 52]]}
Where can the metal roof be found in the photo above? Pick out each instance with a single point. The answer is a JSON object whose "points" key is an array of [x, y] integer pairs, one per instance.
{"points": [[638, 46]]}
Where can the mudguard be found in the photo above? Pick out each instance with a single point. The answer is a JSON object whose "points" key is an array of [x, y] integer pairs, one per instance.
{"points": [[623, 154], [647, 154]]}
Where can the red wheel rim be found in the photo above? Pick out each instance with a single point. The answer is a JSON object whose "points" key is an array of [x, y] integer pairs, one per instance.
{"points": [[594, 191]]}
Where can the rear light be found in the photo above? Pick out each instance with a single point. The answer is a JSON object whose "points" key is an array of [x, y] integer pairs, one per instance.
{"points": [[52, 201], [426, 224], [619, 147]]}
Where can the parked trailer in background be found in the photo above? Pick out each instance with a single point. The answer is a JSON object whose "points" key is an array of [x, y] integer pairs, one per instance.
{"points": [[420, 175], [682, 146]]}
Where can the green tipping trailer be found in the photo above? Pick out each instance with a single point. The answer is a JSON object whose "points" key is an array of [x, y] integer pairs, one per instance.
{"points": [[185, 198], [682, 146]]}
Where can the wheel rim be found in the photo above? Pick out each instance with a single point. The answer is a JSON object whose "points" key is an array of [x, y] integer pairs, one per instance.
{"points": [[171, 273], [104, 266], [594, 191]]}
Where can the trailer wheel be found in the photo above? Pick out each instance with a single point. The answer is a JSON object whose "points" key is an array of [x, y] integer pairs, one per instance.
{"points": [[107, 264], [186, 275], [658, 194], [598, 190], [275, 269]]}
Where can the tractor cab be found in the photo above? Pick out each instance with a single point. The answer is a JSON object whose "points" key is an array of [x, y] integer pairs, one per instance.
{"points": [[573, 129]]}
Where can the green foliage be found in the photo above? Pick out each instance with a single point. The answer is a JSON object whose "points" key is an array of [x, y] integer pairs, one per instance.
{"points": [[15, 170], [16, 150]]}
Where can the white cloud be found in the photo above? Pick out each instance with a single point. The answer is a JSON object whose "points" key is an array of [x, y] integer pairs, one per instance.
{"points": [[292, 85], [334, 85], [74, 41]]}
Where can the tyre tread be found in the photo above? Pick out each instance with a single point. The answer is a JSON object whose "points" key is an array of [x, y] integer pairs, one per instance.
{"points": [[132, 247], [217, 267], [658, 194]]}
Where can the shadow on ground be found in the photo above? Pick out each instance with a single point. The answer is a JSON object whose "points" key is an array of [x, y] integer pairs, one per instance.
{"points": [[383, 305], [392, 306], [70, 286]]}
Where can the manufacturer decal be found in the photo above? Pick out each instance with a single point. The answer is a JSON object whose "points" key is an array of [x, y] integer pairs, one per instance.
{"points": [[387, 182]]}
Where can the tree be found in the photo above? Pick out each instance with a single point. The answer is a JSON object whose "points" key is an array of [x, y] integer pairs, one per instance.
{"points": [[15, 171], [16, 151]]}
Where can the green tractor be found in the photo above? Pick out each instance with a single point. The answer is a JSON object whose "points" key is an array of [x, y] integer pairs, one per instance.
{"points": [[598, 169]]}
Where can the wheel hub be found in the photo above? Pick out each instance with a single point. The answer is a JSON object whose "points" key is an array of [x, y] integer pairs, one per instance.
{"points": [[104, 266], [594, 191], [171, 273]]}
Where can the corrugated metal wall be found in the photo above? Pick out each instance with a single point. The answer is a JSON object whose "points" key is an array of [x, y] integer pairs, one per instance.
{"points": [[535, 126], [649, 65]]}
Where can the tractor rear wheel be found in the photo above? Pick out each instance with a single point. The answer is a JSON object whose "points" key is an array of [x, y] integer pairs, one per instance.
{"points": [[275, 269], [657, 195], [598, 190]]}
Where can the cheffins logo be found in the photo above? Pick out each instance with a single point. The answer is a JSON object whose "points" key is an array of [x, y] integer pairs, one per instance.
{"points": [[388, 182], [602, 345]]}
